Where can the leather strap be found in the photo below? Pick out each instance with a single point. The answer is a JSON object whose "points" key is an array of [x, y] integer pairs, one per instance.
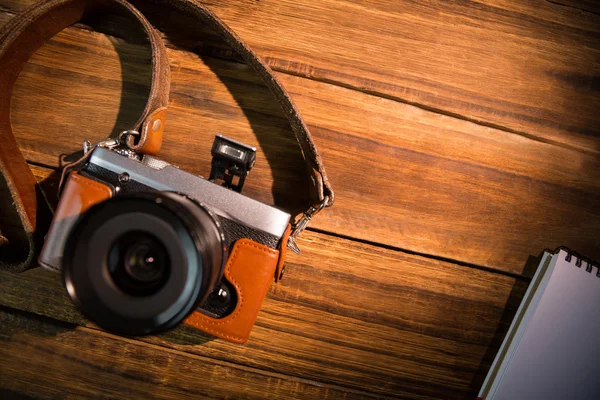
{"points": [[25, 33], [19, 39]]}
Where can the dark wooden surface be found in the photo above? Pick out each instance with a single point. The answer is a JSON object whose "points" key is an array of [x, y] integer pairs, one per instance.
{"points": [[462, 139]]}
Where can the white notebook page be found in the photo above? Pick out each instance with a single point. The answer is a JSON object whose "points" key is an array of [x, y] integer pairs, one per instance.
{"points": [[559, 353]]}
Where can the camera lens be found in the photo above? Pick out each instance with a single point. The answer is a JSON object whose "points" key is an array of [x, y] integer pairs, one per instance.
{"points": [[139, 264]]}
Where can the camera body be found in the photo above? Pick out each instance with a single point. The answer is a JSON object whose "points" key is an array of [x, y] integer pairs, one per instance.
{"points": [[143, 245]]}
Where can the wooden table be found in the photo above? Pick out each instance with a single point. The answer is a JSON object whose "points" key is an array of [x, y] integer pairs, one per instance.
{"points": [[462, 139]]}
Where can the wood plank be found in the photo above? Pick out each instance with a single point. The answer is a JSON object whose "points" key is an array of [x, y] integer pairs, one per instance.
{"points": [[46, 359], [411, 343], [528, 67], [347, 314], [426, 182]]}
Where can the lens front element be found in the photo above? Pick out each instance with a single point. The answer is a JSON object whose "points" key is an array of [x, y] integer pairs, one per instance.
{"points": [[139, 263]]}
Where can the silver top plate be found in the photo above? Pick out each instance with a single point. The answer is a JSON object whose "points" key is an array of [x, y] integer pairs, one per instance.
{"points": [[220, 200]]}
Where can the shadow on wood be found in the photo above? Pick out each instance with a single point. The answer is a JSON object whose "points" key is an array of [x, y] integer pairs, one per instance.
{"points": [[50, 359], [133, 93], [278, 143], [282, 153], [512, 304]]}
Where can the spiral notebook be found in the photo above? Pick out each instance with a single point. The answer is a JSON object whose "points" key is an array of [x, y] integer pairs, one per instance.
{"points": [[552, 348]]}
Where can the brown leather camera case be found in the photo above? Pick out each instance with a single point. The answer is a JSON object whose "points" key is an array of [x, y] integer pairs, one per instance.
{"points": [[79, 194], [250, 269]]}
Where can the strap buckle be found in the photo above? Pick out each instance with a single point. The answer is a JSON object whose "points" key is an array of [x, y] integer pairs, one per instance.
{"points": [[120, 144], [106, 143], [302, 223]]}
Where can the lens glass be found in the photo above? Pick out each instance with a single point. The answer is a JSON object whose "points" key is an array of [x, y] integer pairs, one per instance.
{"points": [[138, 263]]}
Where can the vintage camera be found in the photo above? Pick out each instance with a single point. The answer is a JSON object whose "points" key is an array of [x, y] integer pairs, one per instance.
{"points": [[144, 245]]}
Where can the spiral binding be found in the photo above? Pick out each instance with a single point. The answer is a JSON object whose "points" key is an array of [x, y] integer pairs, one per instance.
{"points": [[579, 260]]}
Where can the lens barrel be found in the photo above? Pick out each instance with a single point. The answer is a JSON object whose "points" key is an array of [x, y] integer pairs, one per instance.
{"points": [[139, 264]]}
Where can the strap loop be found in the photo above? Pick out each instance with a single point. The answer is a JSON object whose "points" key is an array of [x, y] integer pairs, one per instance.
{"points": [[302, 224]]}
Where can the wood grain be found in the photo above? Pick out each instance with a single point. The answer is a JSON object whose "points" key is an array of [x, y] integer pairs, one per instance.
{"points": [[461, 139], [392, 339], [347, 314], [529, 67], [49, 359], [427, 183]]}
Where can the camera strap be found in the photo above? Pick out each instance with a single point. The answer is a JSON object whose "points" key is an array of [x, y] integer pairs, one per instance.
{"points": [[22, 207]]}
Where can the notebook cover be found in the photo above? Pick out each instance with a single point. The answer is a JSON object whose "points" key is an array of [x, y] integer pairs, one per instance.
{"points": [[558, 354]]}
